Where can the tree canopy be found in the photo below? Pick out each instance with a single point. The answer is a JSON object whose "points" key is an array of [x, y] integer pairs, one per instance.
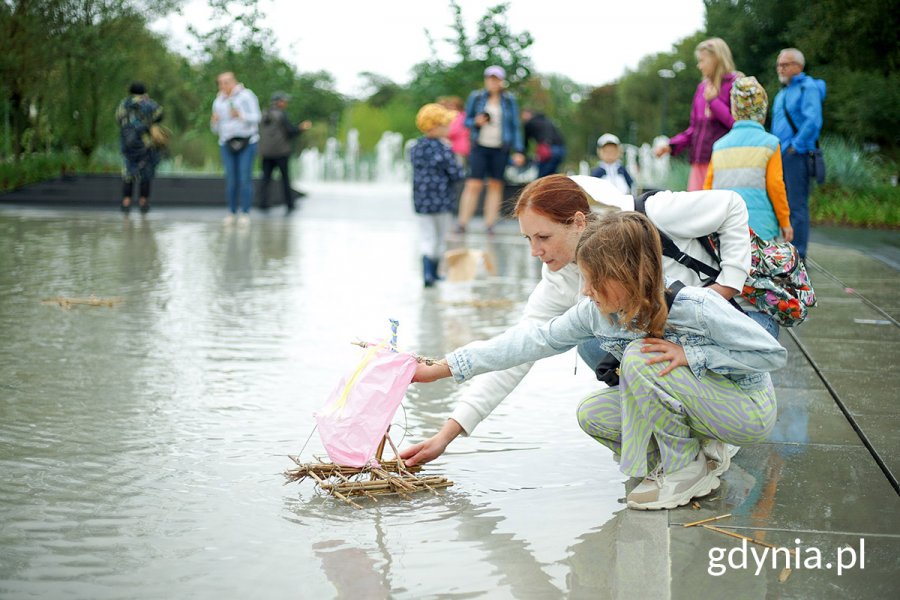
{"points": [[65, 64]]}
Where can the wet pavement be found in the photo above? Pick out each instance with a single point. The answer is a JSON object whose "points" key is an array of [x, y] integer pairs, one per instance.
{"points": [[142, 445]]}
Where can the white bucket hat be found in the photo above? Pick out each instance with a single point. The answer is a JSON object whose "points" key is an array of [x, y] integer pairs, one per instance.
{"points": [[603, 193]]}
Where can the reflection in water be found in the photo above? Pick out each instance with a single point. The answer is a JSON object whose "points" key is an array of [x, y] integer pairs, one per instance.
{"points": [[626, 558], [142, 445]]}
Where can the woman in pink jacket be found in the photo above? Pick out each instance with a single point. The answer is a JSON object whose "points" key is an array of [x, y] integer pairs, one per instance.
{"points": [[710, 111]]}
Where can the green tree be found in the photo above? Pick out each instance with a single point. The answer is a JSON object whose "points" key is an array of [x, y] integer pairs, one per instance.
{"points": [[851, 44], [63, 63], [493, 43]]}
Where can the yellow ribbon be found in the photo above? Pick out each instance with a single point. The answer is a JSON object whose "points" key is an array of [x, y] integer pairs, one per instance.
{"points": [[370, 354]]}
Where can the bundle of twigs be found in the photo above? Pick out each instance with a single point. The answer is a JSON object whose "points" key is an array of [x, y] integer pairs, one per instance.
{"points": [[381, 477]]}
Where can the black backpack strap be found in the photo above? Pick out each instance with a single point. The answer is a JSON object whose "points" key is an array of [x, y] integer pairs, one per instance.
{"points": [[671, 249], [671, 292], [788, 115]]}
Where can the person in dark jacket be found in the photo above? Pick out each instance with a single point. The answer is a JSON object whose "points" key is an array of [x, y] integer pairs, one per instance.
{"points": [[276, 142], [136, 115], [550, 147]]}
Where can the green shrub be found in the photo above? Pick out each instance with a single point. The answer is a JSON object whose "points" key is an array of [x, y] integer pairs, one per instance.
{"points": [[37, 166], [877, 206], [849, 166]]}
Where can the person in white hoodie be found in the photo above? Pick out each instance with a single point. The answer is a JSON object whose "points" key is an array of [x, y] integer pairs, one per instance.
{"points": [[235, 119], [552, 213]]}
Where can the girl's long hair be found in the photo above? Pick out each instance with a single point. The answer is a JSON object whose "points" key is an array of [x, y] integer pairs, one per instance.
{"points": [[625, 247], [718, 49]]}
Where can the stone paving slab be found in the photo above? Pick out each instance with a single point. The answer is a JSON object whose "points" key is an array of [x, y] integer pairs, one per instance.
{"points": [[810, 416], [815, 480], [882, 432], [810, 487], [691, 576]]}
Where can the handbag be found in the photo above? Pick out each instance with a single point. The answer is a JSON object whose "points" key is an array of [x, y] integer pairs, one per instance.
{"points": [[236, 144], [817, 165], [159, 135]]}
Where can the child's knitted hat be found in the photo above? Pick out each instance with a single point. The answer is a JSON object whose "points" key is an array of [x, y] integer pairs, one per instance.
{"points": [[749, 100]]}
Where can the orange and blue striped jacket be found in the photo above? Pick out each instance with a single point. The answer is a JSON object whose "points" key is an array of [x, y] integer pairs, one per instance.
{"points": [[747, 160]]}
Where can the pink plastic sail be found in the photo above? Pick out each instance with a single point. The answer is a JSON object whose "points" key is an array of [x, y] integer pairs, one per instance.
{"points": [[359, 410]]}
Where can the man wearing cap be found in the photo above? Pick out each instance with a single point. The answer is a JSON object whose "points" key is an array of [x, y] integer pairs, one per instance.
{"points": [[609, 150], [276, 141], [492, 115]]}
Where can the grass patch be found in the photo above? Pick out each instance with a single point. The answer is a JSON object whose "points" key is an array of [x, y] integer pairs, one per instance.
{"points": [[874, 207]]}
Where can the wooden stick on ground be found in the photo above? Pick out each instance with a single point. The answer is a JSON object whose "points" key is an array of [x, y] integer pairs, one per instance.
{"points": [[706, 520], [744, 537]]}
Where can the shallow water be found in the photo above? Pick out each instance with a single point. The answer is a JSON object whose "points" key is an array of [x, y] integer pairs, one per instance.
{"points": [[142, 445]]}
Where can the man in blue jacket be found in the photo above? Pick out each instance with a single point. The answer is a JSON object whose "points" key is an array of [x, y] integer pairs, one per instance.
{"points": [[797, 122]]}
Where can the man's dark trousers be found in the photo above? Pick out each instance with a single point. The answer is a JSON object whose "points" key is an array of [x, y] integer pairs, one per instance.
{"points": [[796, 181], [268, 166]]}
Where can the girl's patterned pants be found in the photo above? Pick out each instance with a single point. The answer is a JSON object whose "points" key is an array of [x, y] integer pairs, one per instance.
{"points": [[649, 420]]}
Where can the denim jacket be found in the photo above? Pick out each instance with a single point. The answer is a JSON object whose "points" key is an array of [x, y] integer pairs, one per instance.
{"points": [[512, 132], [714, 335]]}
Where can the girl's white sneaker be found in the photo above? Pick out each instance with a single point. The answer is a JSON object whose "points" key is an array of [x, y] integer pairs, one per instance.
{"points": [[668, 490]]}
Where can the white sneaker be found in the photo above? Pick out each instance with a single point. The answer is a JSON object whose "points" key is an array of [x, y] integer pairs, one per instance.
{"points": [[228, 221], [659, 490], [719, 454], [243, 220]]}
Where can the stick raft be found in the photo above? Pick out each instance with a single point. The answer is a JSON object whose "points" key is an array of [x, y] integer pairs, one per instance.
{"points": [[389, 477]]}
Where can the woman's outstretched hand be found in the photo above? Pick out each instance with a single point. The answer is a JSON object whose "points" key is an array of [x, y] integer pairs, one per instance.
{"points": [[666, 352], [433, 447], [428, 373]]}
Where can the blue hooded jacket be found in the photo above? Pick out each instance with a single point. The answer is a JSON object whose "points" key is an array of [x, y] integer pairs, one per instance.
{"points": [[803, 97]]}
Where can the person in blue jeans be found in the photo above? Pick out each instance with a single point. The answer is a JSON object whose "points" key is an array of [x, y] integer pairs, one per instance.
{"points": [[797, 122], [235, 119]]}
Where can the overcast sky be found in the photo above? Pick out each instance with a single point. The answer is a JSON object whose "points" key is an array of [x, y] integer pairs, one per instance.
{"points": [[590, 41]]}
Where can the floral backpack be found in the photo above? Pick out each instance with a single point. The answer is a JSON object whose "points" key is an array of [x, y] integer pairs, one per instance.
{"points": [[778, 284]]}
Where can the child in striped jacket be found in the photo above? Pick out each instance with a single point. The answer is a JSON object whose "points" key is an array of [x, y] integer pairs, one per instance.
{"points": [[747, 160]]}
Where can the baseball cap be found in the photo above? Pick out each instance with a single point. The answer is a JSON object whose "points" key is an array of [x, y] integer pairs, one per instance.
{"points": [[608, 138], [495, 71], [280, 96], [433, 115]]}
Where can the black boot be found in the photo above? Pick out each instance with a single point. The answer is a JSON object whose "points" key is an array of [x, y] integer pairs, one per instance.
{"points": [[428, 271], [435, 264]]}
